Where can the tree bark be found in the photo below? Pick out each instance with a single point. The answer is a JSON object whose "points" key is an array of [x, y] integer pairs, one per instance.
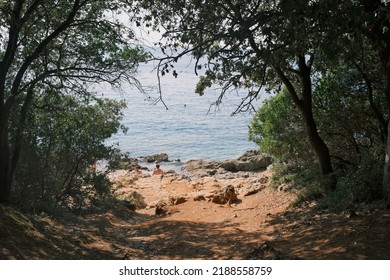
{"points": [[381, 41], [5, 167], [386, 171], [304, 104], [317, 143]]}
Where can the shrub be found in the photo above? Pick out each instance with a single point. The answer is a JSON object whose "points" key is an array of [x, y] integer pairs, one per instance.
{"points": [[59, 147], [358, 187]]}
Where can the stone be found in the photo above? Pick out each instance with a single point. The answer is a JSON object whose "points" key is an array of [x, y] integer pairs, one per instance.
{"points": [[156, 158], [247, 191], [137, 199], [176, 200], [264, 180], [129, 205], [284, 188], [226, 195], [194, 165], [160, 210], [249, 154], [199, 198], [247, 163]]}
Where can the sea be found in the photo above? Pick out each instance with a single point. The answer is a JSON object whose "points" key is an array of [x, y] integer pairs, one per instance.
{"points": [[185, 125]]}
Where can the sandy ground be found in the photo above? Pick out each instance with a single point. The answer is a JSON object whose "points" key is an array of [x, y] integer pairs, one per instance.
{"points": [[262, 225]]}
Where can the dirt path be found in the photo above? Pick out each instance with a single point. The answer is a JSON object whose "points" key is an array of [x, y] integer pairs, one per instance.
{"points": [[261, 225], [258, 226], [201, 229]]}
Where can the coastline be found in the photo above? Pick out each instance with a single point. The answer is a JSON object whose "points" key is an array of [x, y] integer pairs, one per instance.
{"points": [[221, 182], [251, 160]]}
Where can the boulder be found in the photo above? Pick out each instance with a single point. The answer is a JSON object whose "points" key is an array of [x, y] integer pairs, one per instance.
{"points": [[129, 205], [247, 162], [177, 200], [160, 210], [199, 198], [246, 191], [226, 195], [249, 154], [138, 200], [156, 158], [194, 165], [133, 200]]}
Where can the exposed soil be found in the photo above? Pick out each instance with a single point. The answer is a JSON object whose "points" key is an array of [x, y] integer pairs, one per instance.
{"points": [[262, 225]]}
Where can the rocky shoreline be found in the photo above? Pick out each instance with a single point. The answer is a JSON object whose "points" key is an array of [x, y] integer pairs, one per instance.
{"points": [[252, 160], [221, 182]]}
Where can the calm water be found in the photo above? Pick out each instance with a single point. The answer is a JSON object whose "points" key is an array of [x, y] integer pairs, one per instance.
{"points": [[189, 129]]}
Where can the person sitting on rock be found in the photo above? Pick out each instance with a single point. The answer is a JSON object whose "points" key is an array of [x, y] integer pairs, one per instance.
{"points": [[157, 170]]}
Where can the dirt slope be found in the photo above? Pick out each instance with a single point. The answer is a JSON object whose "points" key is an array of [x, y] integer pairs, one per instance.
{"points": [[257, 226]]}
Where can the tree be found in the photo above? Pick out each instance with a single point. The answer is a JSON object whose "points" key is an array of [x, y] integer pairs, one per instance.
{"points": [[252, 44], [65, 135], [375, 25], [277, 129], [60, 45], [345, 118]]}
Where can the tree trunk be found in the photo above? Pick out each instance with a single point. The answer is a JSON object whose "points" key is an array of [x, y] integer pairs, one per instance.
{"points": [[386, 172], [317, 143], [304, 104], [319, 147], [5, 168], [374, 31]]}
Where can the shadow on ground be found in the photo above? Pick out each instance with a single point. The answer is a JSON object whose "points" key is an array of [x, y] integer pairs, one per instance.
{"points": [[164, 239], [309, 234], [128, 236], [295, 234]]}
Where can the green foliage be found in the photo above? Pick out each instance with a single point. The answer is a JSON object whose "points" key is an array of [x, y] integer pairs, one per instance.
{"points": [[119, 161], [64, 137], [349, 125], [277, 129], [360, 186], [51, 54], [346, 118]]}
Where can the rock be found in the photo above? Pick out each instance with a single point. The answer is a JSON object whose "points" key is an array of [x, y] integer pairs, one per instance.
{"points": [[249, 154], [264, 180], [284, 188], [199, 198], [159, 210], [156, 158], [226, 195], [123, 162], [194, 165], [129, 205], [137, 200], [201, 173], [246, 191], [229, 165], [249, 161], [176, 200]]}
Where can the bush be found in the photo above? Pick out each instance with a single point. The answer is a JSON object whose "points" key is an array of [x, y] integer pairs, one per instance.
{"points": [[59, 148], [277, 130], [356, 188]]}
